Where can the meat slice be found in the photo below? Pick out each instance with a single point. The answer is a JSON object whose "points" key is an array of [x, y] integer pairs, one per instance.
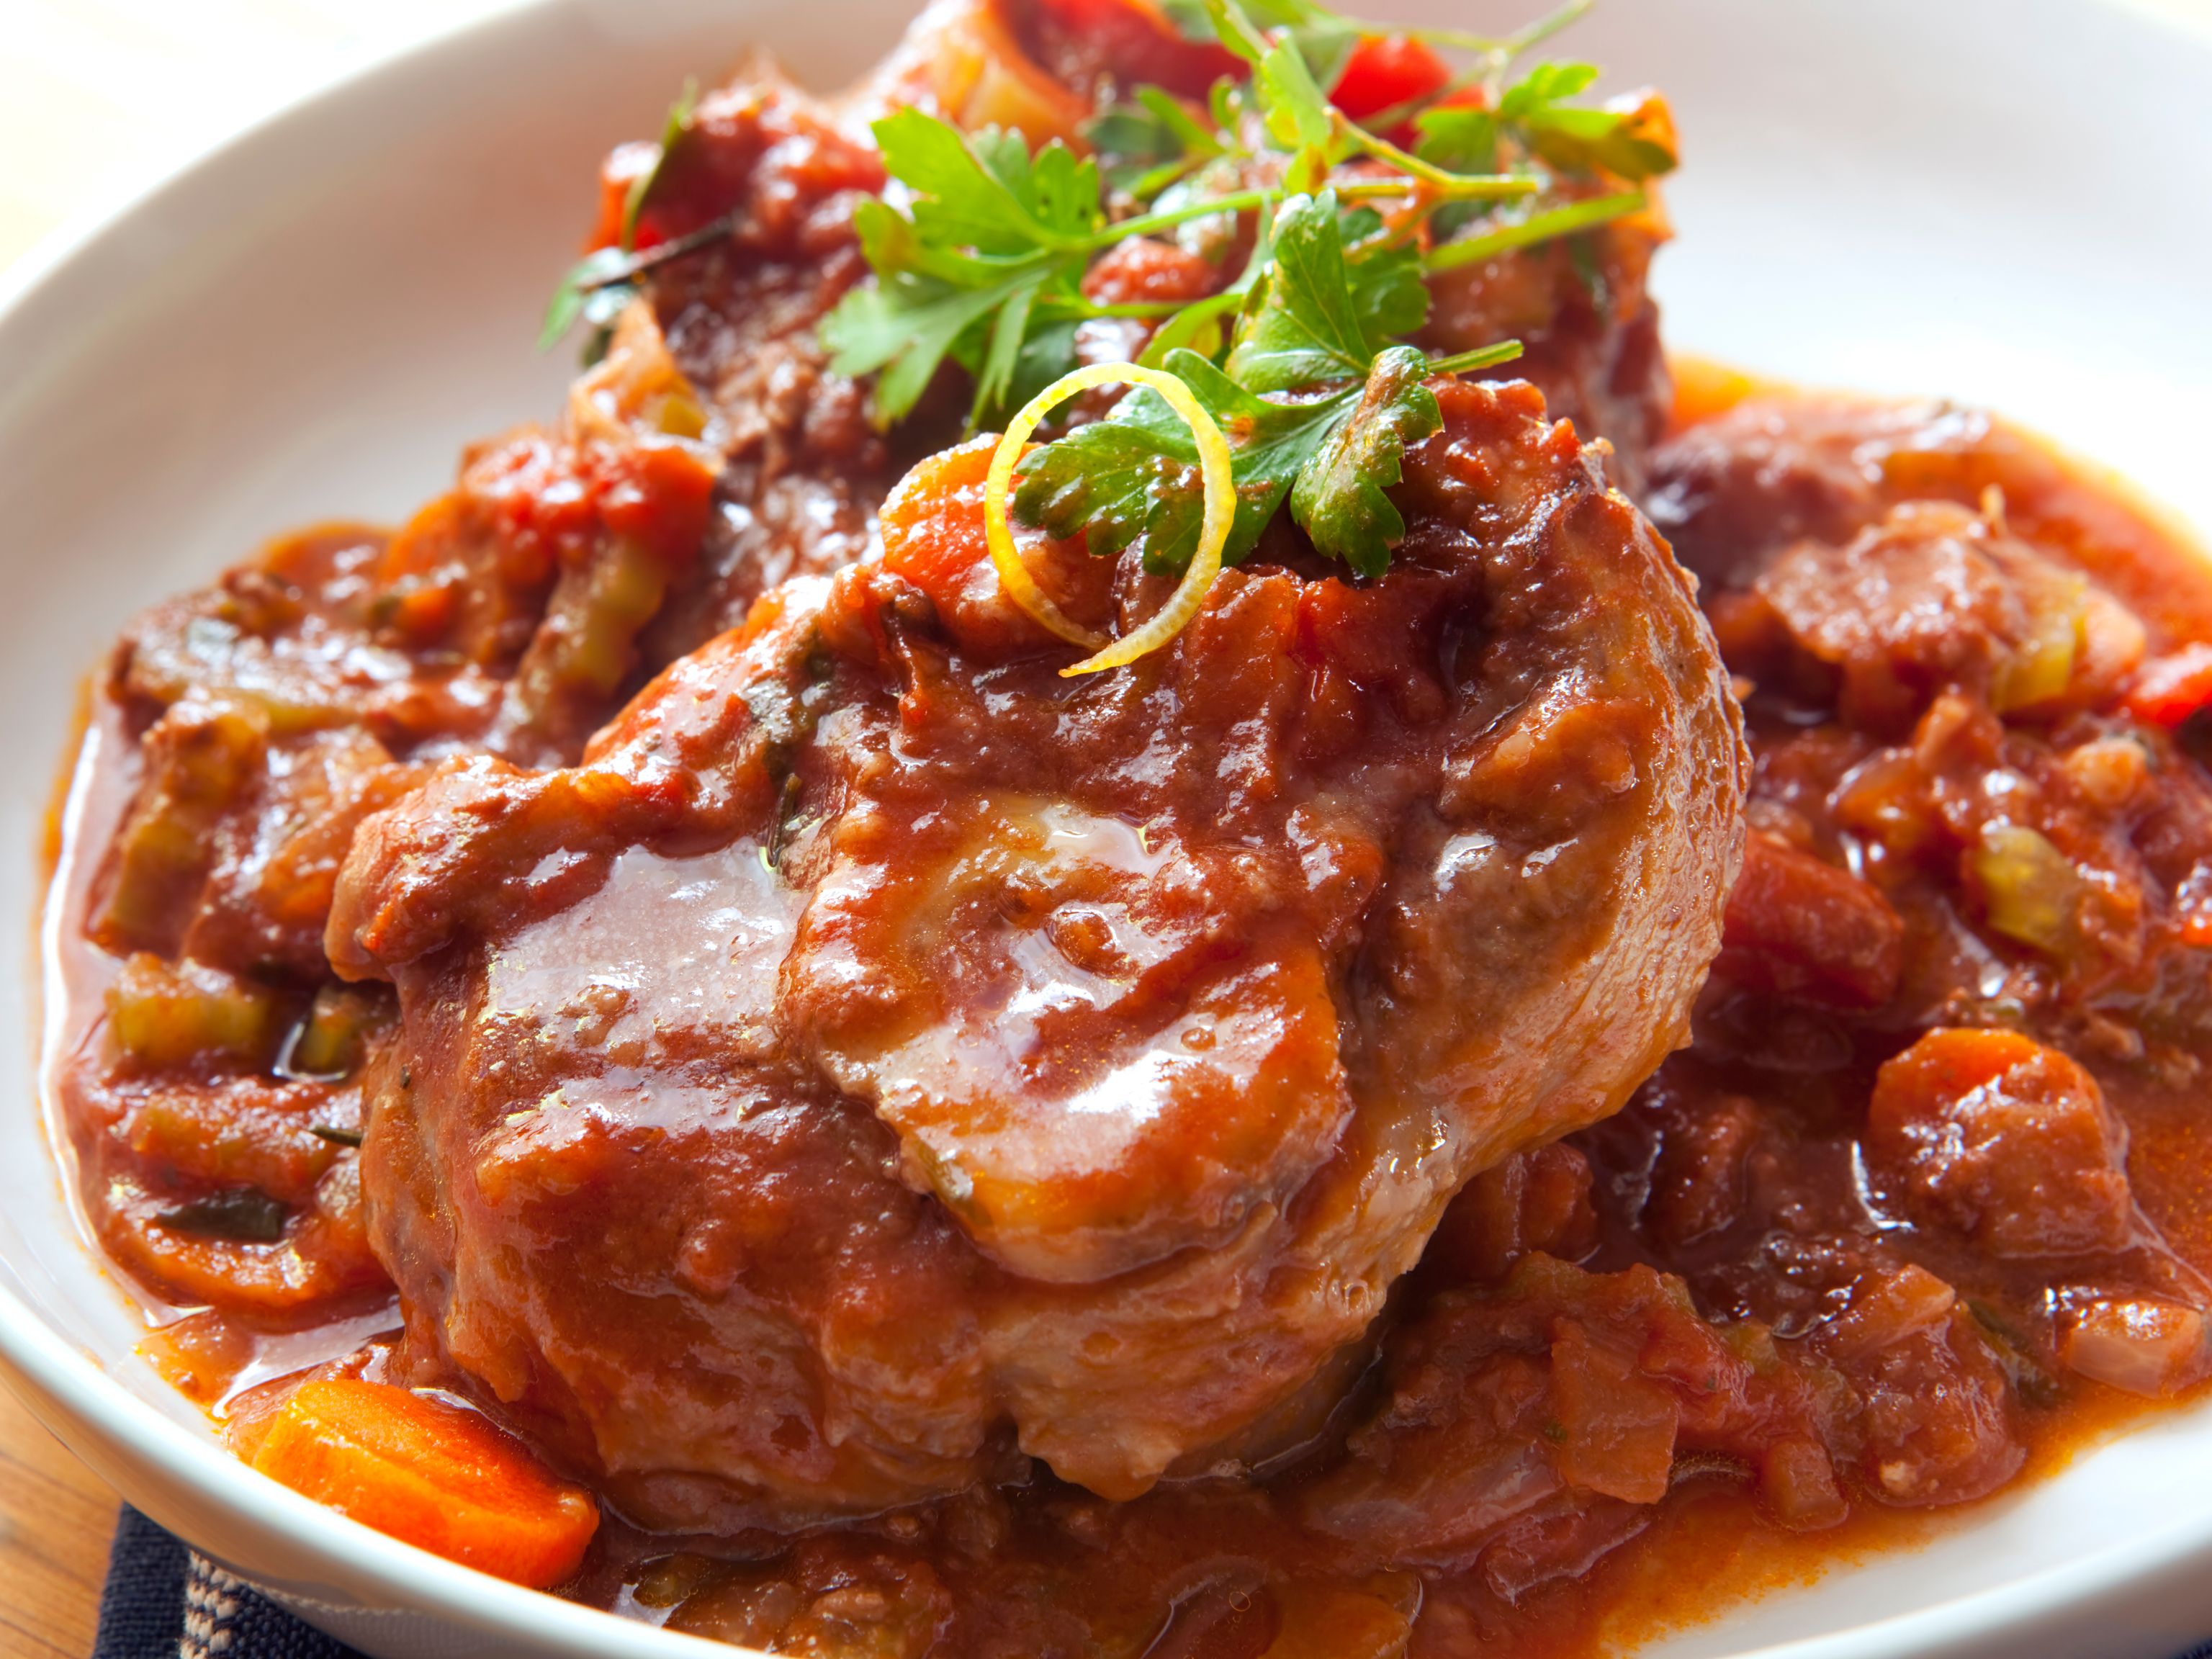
{"points": [[1801, 927], [803, 468], [1098, 1043], [1934, 597], [1582, 310], [882, 1053], [1731, 492]]}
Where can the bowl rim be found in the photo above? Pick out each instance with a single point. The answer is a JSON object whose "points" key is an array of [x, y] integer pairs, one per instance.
{"points": [[63, 1386], [71, 1392]]}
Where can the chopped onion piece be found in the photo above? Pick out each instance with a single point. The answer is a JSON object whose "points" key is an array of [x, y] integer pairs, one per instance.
{"points": [[1213, 528]]}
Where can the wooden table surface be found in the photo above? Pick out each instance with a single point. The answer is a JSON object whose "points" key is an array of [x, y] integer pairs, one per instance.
{"points": [[56, 1518]]}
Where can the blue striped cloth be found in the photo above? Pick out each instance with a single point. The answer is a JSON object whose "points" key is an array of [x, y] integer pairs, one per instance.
{"points": [[164, 1600]]}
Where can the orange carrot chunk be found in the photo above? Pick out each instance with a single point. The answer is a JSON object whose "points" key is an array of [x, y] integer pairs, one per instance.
{"points": [[430, 1474]]}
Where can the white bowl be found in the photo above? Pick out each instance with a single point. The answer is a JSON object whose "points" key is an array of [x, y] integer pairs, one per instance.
{"points": [[2002, 200]]}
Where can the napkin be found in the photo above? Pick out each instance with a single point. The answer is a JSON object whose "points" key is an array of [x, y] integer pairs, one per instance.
{"points": [[164, 1600]]}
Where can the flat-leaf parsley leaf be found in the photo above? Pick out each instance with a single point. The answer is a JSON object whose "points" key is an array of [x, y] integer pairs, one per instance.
{"points": [[1136, 472]]}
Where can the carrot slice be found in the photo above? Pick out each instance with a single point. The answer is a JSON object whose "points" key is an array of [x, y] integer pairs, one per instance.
{"points": [[431, 1474]]}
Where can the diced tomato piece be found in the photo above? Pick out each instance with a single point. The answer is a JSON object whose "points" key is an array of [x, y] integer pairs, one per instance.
{"points": [[1538, 1199], [2168, 690], [623, 168], [1617, 1426], [1129, 41], [1145, 268], [1387, 69], [1805, 927], [659, 495]]}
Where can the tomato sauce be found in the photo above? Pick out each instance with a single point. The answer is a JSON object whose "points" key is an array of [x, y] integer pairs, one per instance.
{"points": [[1922, 1209], [1754, 1139]]}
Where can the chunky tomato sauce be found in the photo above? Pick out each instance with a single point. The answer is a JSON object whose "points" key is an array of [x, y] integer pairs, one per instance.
{"points": [[634, 952]]}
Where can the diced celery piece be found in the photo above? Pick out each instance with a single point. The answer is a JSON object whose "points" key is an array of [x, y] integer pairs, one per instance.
{"points": [[627, 585], [327, 1044], [681, 415], [166, 1014], [2031, 890], [587, 643], [2041, 669], [199, 757]]}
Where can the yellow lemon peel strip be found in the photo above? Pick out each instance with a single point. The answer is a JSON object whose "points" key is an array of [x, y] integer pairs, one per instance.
{"points": [[1213, 527]]}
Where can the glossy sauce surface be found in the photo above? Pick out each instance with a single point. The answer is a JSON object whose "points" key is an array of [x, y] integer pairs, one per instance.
{"points": [[1933, 1327], [864, 1079]]}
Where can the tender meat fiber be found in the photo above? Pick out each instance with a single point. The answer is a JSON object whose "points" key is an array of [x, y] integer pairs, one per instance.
{"points": [[1935, 597], [1801, 927], [1589, 327], [1884, 1381], [805, 469], [1895, 1242], [1096, 1032], [254, 723], [1732, 491], [878, 1088]]}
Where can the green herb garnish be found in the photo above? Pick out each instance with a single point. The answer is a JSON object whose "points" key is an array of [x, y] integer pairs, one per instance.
{"points": [[1301, 356], [985, 266], [1315, 320], [1153, 140], [1532, 117], [245, 1215], [672, 133], [601, 284], [991, 234]]}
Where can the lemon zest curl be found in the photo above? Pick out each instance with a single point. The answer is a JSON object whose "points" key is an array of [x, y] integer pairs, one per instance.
{"points": [[1190, 592]]}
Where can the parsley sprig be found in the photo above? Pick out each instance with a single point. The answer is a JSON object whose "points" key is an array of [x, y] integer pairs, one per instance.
{"points": [[985, 265], [978, 253], [988, 256], [1320, 326], [1318, 395], [601, 284]]}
